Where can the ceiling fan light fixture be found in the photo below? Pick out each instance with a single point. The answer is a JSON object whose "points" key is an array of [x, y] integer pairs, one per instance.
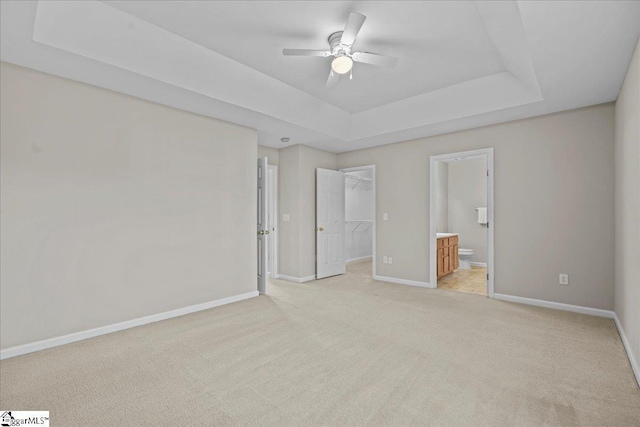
{"points": [[342, 64]]}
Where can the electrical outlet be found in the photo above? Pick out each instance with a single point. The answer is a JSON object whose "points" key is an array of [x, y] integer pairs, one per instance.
{"points": [[385, 216], [390, 260], [384, 260], [285, 217], [564, 279]]}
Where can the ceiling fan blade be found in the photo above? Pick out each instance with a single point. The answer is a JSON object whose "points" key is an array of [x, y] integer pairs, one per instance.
{"points": [[333, 79], [354, 23], [375, 59], [305, 52]]}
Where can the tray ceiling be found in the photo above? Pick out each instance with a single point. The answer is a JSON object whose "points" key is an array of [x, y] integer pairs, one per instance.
{"points": [[461, 64]]}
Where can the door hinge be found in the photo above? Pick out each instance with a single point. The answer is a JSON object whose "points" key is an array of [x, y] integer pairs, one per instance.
{"points": [[487, 172], [487, 276]]}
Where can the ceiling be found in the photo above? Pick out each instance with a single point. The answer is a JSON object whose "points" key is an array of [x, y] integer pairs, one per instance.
{"points": [[461, 64]]}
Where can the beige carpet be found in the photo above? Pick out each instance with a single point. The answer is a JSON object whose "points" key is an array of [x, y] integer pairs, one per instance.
{"points": [[341, 351]]}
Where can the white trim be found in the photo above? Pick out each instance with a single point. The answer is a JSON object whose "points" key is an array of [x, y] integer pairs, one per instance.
{"points": [[627, 346], [488, 152], [402, 281], [479, 264], [375, 208], [103, 330], [359, 259], [556, 305], [296, 279]]}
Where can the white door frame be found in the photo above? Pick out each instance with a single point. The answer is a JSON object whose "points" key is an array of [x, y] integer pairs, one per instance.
{"points": [[375, 206], [272, 247], [488, 152], [263, 231]]}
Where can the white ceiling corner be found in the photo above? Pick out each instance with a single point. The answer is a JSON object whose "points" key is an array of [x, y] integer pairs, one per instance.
{"points": [[461, 64]]}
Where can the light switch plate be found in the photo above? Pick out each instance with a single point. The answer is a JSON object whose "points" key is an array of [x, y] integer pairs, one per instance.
{"points": [[385, 216], [285, 217]]}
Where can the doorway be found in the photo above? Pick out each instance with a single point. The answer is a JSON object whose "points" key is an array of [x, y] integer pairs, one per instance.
{"points": [[267, 223], [360, 218], [345, 234], [461, 221]]}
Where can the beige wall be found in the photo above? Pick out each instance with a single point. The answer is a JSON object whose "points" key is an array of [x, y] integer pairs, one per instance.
{"points": [[627, 192], [467, 190], [289, 195], [272, 154], [297, 186], [553, 203], [114, 208], [442, 197]]}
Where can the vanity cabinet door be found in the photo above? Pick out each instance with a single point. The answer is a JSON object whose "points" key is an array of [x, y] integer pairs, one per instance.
{"points": [[447, 255]]}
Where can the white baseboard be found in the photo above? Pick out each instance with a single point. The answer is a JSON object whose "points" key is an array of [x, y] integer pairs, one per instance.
{"points": [[556, 305], [359, 259], [479, 264], [296, 279], [627, 347], [402, 281], [103, 330]]}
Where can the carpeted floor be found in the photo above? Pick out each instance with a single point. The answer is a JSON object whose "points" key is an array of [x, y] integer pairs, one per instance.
{"points": [[340, 351]]}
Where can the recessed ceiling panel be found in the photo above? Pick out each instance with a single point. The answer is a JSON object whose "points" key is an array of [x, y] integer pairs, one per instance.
{"points": [[439, 44]]}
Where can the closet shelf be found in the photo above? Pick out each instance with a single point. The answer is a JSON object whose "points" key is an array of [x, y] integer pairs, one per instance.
{"points": [[358, 180], [360, 222]]}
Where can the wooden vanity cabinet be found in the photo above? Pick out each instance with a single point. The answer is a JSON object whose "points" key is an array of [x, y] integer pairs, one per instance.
{"points": [[447, 255]]}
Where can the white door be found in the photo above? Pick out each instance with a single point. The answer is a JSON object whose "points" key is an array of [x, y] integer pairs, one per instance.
{"points": [[329, 223], [263, 230]]}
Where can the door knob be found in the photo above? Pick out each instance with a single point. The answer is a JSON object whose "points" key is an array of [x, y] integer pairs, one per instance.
{"points": [[266, 231], [261, 232], [320, 229]]}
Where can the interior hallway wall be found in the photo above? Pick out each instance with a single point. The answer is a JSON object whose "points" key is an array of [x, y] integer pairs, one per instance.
{"points": [[289, 206], [627, 207], [115, 208], [467, 189], [297, 186], [553, 203], [310, 159]]}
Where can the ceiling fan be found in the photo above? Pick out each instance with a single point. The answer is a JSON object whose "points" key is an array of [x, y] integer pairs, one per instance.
{"points": [[340, 44]]}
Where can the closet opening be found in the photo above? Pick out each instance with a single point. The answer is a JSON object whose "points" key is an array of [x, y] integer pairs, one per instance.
{"points": [[360, 220]]}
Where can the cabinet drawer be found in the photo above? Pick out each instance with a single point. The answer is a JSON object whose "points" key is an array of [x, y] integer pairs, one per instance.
{"points": [[453, 240]]}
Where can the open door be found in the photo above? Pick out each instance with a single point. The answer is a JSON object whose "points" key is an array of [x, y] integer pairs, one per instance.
{"points": [[263, 230], [329, 223]]}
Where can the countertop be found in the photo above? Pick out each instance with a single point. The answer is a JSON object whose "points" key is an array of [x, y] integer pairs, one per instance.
{"points": [[443, 235]]}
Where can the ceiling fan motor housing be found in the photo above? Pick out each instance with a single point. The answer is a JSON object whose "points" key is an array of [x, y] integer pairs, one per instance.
{"points": [[337, 48]]}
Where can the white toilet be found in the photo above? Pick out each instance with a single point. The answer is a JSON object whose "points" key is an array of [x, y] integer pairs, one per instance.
{"points": [[464, 256]]}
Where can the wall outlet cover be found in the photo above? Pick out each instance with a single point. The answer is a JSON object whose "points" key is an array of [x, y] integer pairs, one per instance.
{"points": [[285, 217], [564, 279]]}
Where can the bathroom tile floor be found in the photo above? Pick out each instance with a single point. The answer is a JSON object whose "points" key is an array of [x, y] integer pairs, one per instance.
{"points": [[472, 281]]}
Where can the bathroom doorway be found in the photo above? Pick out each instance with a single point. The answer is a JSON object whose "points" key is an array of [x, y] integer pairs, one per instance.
{"points": [[461, 221]]}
